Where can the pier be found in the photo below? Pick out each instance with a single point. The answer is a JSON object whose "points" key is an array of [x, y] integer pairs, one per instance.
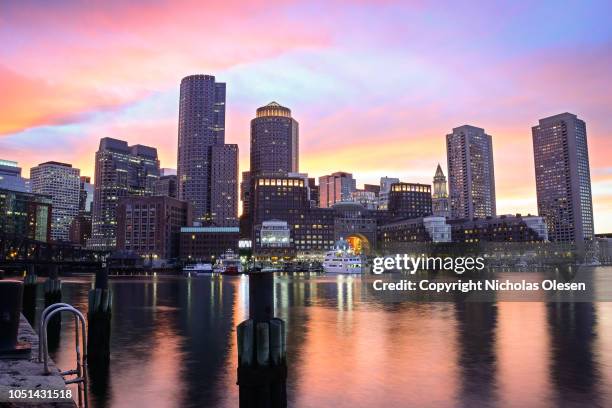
{"points": [[27, 374]]}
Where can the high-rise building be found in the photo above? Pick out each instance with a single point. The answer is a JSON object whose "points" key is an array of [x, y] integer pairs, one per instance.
{"points": [[224, 185], [166, 186], [284, 197], [335, 188], [274, 140], [25, 215], [61, 182], [80, 229], [563, 179], [10, 176], [86, 192], [439, 198], [151, 226], [201, 126], [385, 188], [207, 167], [120, 171], [469, 151], [410, 200]]}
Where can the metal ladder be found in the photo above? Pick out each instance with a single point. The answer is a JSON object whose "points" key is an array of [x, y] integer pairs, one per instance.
{"points": [[81, 364]]}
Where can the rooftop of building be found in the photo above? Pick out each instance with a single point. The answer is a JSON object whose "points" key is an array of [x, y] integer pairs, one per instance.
{"points": [[121, 146], [55, 163], [273, 109], [556, 118], [467, 127], [8, 163], [210, 229]]}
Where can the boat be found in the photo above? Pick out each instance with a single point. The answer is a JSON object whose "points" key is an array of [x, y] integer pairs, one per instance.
{"points": [[197, 268], [228, 264], [270, 269], [343, 260]]}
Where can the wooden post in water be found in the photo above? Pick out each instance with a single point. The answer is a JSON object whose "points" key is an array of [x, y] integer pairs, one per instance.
{"points": [[53, 294], [99, 321], [29, 294], [262, 362]]}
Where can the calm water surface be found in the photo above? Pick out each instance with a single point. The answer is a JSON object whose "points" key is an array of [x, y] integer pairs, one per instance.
{"points": [[174, 345]]}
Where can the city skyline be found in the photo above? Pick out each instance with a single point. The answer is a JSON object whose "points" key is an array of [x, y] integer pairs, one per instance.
{"points": [[385, 115]]}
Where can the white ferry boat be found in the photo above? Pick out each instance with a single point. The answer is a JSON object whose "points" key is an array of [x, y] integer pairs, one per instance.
{"points": [[344, 261], [197, 268], [229, 264]]}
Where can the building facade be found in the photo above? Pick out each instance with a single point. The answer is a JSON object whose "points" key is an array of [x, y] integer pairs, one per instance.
{"points": [[410, 200], [201, 126], [10, 176], [166, 186], [383, 194], [335, 188], [366, 198], [86, 193], [274, 140], [314, 192], [356, 225], [206, 244], [469, 152], [439, 198], [62, 183], [151, 226], [25, 215], [422, 229], [505, 228], [224, 185], [283, 197], [563, 179], [80, 229], [120, 171]]}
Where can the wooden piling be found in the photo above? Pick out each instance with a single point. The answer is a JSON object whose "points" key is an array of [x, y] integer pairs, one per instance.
{"points": [[53, 294], [99, 322], [29, 294], [262, 363]]}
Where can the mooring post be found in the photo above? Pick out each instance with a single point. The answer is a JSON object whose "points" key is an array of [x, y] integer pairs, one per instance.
{"points": [[53, 294], [99, 321], [262, 363], [29, 294], [11, 292]]}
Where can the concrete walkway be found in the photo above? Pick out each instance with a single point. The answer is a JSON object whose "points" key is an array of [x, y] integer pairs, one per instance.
{"points": [[28, 374]]}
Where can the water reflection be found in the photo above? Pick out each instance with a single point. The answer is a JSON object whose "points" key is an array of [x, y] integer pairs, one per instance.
{"points": [[174, 344], [573, 369]]}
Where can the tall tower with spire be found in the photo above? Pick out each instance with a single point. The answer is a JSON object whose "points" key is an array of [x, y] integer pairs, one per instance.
{"points": [[439, 197]]}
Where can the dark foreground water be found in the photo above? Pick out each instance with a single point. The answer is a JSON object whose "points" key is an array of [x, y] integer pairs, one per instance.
{"points": [[174, 345]]}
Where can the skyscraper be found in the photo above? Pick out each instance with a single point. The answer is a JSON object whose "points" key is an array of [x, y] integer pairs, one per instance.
{"points": [[224, 185], [274, 140], [469, 151], [201, 126], [335, 188], [61, 182], [121, 171], [440, 195], [563, 179]]}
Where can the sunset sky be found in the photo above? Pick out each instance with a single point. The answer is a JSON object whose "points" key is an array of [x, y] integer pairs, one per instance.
{"points": [[375, 85]]}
